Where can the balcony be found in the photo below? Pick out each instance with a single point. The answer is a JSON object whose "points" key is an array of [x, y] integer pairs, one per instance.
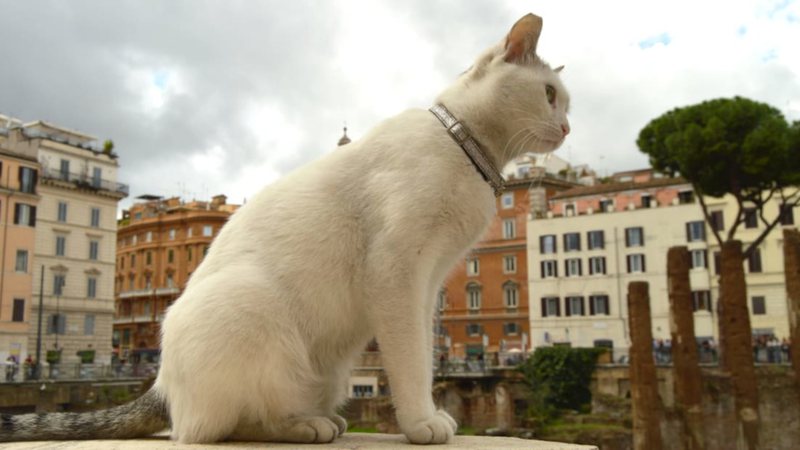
{"points": [[137, 293], [85, 181]]}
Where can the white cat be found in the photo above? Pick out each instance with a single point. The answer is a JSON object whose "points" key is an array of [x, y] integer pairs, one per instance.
{"points": [[354, 245]]}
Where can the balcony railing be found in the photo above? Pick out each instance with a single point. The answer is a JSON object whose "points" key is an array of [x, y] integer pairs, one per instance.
{"points": [[85, 181]]}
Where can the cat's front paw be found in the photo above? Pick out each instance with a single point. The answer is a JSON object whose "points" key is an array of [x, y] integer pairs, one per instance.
{"points": [[437, 429], [340, 422]]}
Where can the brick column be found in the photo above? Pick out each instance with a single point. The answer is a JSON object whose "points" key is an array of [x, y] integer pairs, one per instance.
{"points": [[644, 384], [688, 391], [738, 342], [791, 264]]}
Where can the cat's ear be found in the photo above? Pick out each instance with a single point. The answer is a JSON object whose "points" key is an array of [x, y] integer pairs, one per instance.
{"points": [[522, 39], [558, 69]]}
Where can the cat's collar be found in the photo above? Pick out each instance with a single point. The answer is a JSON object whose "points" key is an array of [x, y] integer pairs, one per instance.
{"points": [[461, 135]]}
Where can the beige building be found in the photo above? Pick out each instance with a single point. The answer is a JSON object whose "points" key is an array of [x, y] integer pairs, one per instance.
{"points": [[19, 199], [75, 242], [594, 240]]}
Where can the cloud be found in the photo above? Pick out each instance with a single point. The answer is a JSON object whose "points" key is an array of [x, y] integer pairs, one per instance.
{"points": [[203, 98]]}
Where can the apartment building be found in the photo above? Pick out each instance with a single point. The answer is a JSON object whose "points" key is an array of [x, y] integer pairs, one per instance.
{"points": [[74, 244], [483, 307], [19, 199], [595, 240], [160, 242]]}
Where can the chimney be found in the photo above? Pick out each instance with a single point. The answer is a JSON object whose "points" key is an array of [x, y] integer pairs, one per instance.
{"points": [[218, 200]]}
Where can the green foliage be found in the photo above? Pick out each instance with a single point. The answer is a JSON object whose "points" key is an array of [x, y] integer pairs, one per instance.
{"points": [[559, 378], [108, 146], [736, 146]]}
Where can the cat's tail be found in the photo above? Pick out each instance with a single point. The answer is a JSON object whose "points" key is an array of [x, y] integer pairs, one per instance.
{"points": [[142, 417]]}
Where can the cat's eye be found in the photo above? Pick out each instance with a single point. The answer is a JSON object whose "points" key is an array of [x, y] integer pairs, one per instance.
{"points": [[551, 94]]}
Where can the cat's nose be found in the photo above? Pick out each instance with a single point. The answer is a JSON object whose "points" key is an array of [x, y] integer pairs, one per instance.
{"points": [[565, 129]]}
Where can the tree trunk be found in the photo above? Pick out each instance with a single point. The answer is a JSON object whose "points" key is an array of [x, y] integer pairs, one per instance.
{"points": [[738, 341], [644, 387], [791, 263], [688, 391]]}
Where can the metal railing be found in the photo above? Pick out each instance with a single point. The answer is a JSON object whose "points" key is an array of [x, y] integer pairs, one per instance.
{"points": [[76, 371], [85, 181]]}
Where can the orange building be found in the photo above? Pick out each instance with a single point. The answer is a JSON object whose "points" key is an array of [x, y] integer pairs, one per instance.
{"points": [[483, 307], [19, 170], [159, 244]]}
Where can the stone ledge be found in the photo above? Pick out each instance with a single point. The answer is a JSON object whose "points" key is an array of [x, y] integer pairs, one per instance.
{"points": [[349, 441]]}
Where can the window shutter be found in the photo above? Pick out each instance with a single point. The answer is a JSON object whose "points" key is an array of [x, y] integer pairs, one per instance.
{"points": [[591, 304], [50, 327], [35, 179], [62, 323], [544, 307], [627, 237], [542, 266], [578, 239], [32, 219], [644, 268], [16, 213], [628, 262], [558, 306], [19, 176], [580, 267], [568, 306], [688, 231], [541, 244]]}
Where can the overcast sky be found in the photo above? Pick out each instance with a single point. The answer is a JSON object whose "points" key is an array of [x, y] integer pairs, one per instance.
{"points": [[223, 97]]}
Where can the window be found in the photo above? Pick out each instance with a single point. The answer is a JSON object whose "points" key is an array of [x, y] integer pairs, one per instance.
{"points": [[511, 295], [510, 264], [88, 325], [473, 267], [170, 281], [132, 282], [24, 215], [759, 304], [509, 229], [754, 261], [133, 261], [148, 282], [701, 301], [148, 237], [363, 391], [134, 239], [598, 305], [699, 260], [21, 264], [634, 237], [61, 245], [62, 212], [189, 232], [172, 233], [717, 263], [97, 175], [596, 239], [547, 244], [121, 262], [473, 296], [551, 307], [18, 311], [474, 329], [569, 210], [508, 200], [91, 288], [750, 218], [95, 221], [549, 268], [606, 205], [189, 253], [207, 230], [64, 169], [511, 329], [57, 324], [572, 242], [58, 284], [574, 306], [572, 267], [695, 231], [27, 180], [597, 265], [205, 250], [636, 263], [647, 201], [170, 256], [787, 215], [717, 220], [441, 300], [94, 250], [685, 197], [148, 258]]}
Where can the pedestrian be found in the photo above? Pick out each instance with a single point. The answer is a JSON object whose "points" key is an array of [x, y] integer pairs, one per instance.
{"points": [[12, 366]]}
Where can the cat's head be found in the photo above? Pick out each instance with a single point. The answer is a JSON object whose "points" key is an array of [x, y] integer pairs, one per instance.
{"points": [[525, 97]]}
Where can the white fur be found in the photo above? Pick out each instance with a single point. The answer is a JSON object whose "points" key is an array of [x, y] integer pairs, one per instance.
{"points": [[352, 246]]}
